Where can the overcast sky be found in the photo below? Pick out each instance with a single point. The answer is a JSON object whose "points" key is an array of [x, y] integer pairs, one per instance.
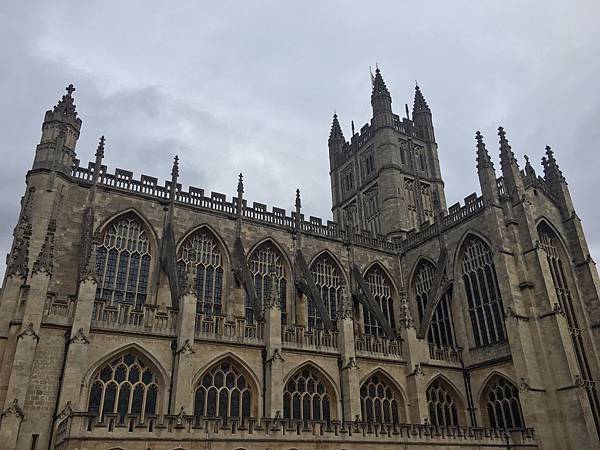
{"points": [[246, 86]]}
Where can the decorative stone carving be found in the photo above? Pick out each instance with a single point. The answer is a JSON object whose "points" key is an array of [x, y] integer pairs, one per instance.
{"points": [[272, 300], [346, 309], [13, 410], [29, 332], [523, 386], [79, 338], [19, 259], [180, 417], [351, 363], [186, 348], [45, 260], [276, 356], [406, 320], [418, 371], [66, 412]]}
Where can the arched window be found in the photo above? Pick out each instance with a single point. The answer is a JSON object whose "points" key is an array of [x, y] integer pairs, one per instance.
{"points": [[305, 397], [441, 330], [379, 400], [503, 405], [125, 385], [483, 294], [202, 250], [441, 400], [123, 263], [260, 262], [381, 289], [223, 392], [330, 283]]}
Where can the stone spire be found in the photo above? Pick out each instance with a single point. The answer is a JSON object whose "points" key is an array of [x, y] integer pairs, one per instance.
{"points": [[552, 172], [45, 260], [174, 177], [529, 170], [381, 101], [99, 158], [298, 206], [379, 87], [336, 130], [240, 194], [513, 181], [419, 105], [19, 259], [66, 105], [483, 157]]}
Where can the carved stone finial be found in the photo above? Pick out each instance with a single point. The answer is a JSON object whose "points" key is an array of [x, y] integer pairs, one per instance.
{"points": [[100, 149], [240, 186], [45, 260], [175, 169], [483, 157], [298, 200], [66, 105]]}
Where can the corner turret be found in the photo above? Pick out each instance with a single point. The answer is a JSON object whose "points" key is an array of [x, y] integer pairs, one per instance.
{"points": [[422, 117], [381, 101]]}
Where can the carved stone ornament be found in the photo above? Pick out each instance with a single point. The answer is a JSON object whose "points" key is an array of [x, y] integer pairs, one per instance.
{"points": [[523, 386], [418, 370], [351, 363], [276, 356], [13, 410], [180, 417], [79, 338], [579, 381], [29, 332], [406, 320], [272, 300], [278, 415], [66, 412], [346, 310], [557, 309], [186, 348]]}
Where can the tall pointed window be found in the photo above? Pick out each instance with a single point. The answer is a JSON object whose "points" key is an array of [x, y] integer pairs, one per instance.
{"points": [[483, 294], [125, 385], [223, 392], [123, 263], [441, 400], [503, 404], [260, 262], [379, 400], [305, 397], [440, 332], [330, 283], [202, 250], [381, 289]]}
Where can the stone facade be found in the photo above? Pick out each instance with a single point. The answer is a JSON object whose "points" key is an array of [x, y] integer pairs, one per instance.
{"points": [[139, 315]]}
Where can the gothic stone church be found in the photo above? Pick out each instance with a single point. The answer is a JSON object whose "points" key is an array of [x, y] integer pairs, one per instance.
{"points": [[139, 315]]}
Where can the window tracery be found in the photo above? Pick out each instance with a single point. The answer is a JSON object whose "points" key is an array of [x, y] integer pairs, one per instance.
{"points": [[330, 283], [305, 397], [441, 402], [381, 289], [125, 385], [123, 263], [441, 330], [202, 250], [503, 404], [260, 263], [483, 294], [223, 392], [379, 401]]}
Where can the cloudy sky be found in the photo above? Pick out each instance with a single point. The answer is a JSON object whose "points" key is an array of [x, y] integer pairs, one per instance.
{"points": [[246, 86]]}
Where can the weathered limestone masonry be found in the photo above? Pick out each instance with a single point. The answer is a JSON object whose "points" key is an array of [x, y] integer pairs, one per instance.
{"points": [[139, 315]]}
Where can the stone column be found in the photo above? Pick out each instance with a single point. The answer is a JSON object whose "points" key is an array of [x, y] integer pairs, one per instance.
{"points": [[23, 360], [348, 367], [274, 362], [183, 392]]}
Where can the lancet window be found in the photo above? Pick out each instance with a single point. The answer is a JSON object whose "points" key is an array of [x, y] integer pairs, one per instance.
{"points": [[483, 294], [262, 260], [379, 400], [381, 289], [223, 392], [441, 331], [305, 397], [125, 385], [328, 278], [441, 401], [123, 263], [202, 250], [503, 404]]}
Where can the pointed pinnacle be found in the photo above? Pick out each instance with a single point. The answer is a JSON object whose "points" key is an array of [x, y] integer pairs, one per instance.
{"points": [[70, 89], [66, 105], [379, 87], [483, 157], [419, 104], [240, 186], [549, 152], [506, 153], [298, 200], [100, 149], [175, 169], [336, 129]]}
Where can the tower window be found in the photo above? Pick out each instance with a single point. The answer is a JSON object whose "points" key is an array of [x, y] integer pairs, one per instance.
{"points": [[348, 179], [369, 164]]}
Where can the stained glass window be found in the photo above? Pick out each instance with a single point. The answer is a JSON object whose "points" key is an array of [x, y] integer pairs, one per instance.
{"points": [[381, 289], [123, 263], [202, 250], [503, 404], [441, 401], [379, 400], [330, 283]]}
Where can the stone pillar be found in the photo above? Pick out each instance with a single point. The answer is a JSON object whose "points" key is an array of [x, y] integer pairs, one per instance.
{"points": [[23, 360], [348, 367], [183, 392], [274, 362]]}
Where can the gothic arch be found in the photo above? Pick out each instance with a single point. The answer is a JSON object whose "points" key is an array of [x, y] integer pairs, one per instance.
{"points": [[336, 262], [445, 403], [274, 243], [463, 241], [220, 242], [385, 293], [132, 212], [486, 381], [390, 382], [143, 356], [386, 271], [420, 260], [542, 222], [303, 399], [500, 408]]}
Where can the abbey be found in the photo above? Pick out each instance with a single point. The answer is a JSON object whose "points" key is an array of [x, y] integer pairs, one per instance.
{"points": [[139, 315]]}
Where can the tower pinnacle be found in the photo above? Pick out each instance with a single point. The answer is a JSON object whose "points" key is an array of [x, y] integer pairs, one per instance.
{"points": [[66, 105], [483, 157], [336, 130], [419, 105]]}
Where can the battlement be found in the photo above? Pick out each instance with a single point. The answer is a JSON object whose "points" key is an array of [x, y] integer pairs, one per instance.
{"points": [[79, 427]]}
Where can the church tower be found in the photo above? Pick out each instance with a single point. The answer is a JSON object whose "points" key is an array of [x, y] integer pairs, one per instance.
{"points": [[386, 180]]}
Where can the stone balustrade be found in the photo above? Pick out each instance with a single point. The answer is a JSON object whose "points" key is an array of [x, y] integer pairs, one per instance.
{"points": [[125, 317], [445, 353], [191, 432], [304, 339], [376, 346], [218, 328]]}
